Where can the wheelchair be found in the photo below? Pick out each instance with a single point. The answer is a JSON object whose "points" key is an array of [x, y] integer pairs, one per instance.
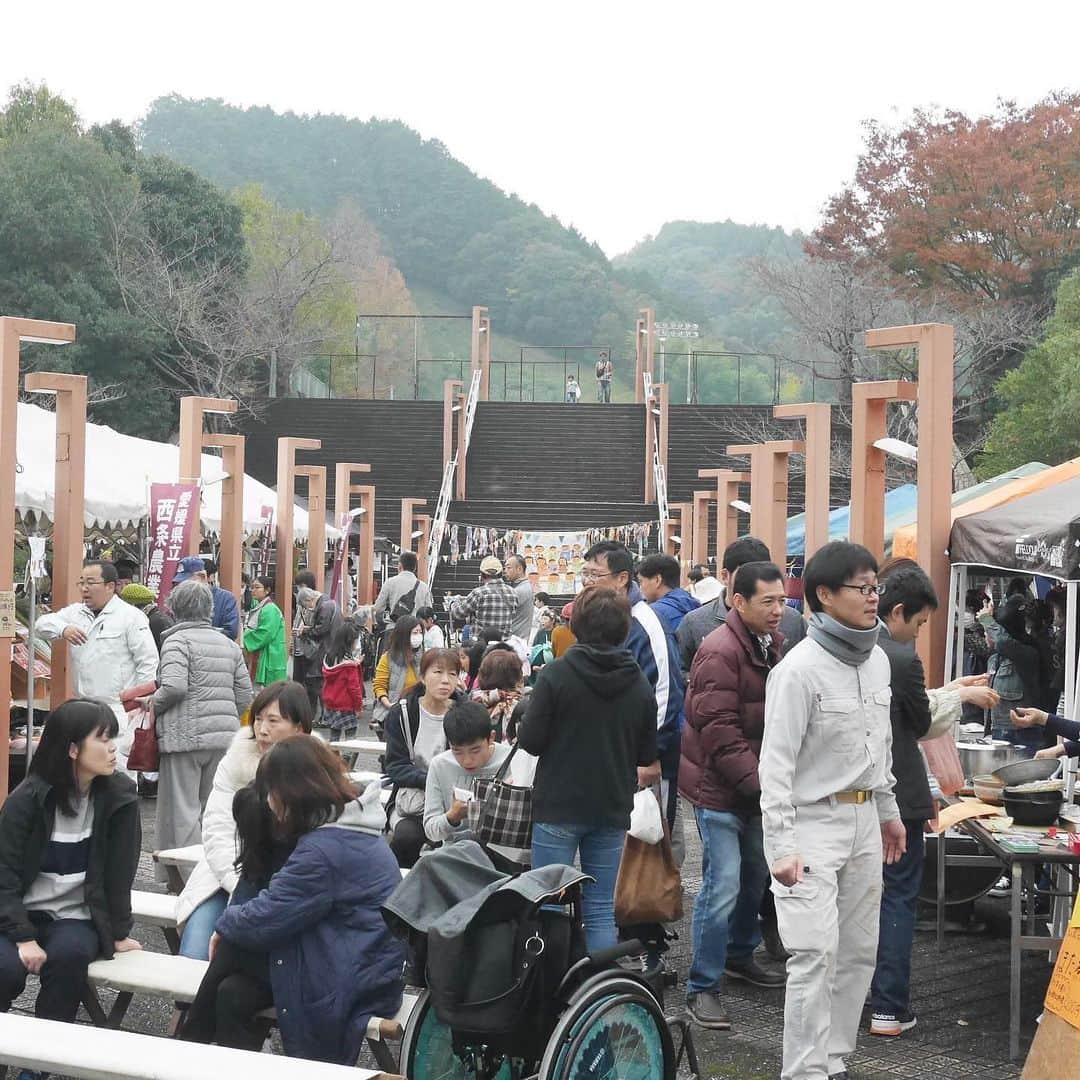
{"points": [[600, 1022]]}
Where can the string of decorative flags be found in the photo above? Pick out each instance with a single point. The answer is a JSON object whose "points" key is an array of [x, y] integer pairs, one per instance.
{"points": [[476, 541]]}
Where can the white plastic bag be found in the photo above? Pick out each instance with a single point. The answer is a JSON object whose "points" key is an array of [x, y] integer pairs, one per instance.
{"points": [[646, 823], [523, 769]]}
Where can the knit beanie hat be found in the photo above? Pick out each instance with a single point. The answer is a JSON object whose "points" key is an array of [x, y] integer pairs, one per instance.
{"points": [[137, 595]]}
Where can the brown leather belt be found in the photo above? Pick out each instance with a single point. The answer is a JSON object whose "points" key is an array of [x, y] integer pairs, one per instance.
{"points": [[855, 797]]}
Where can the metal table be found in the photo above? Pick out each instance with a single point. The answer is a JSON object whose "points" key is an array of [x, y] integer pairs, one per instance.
{"points": [[1022, 868]]}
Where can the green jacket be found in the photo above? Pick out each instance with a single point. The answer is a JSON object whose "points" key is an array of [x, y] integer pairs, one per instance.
{"points": [[268, 640]]}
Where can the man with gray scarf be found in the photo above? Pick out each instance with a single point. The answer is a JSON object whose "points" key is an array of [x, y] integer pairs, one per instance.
{"points": [[829, 814]]}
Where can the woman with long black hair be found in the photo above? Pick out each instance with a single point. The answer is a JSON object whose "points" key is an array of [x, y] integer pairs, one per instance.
{"points": [[69, 849]]}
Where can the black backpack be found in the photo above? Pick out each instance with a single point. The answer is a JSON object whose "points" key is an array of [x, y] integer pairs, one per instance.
{"points": [[404, 606]]}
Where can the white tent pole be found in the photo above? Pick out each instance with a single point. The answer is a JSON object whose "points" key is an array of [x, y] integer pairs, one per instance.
{"points": [[950, 637], [1070, 675], [961, 599]]}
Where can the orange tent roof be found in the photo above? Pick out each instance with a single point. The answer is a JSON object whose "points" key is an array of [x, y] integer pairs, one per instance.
{"points": [[904, 539]]}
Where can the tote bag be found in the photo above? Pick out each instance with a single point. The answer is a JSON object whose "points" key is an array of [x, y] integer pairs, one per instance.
{"points": [[500, 812], [144, 755], [649, 887]]}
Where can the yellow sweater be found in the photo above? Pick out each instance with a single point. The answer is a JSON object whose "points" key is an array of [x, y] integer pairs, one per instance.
{"points": [[381, 683]]}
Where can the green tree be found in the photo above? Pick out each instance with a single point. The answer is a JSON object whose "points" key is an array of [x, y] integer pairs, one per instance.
{"points": [[59, 191], [1040, 417], [30, 105]]}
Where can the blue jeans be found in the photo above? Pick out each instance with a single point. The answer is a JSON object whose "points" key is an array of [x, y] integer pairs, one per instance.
{"points": [[195, 941], [601, 853], [890, 991], [734, 877]]}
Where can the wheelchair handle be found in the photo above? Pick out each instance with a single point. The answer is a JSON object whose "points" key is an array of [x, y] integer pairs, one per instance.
{"points": [[625, 948]]}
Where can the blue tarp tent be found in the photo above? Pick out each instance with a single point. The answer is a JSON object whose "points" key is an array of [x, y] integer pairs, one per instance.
{"points": [[900, 509]]}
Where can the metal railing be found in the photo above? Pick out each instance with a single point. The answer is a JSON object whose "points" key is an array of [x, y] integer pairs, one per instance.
{"points": [[659, 475], [446, 491]]}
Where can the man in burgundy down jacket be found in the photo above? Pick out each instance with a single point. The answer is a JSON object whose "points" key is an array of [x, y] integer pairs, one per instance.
{"points": [[725, 720]]}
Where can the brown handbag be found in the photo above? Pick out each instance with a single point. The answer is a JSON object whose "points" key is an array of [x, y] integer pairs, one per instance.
{"points": [[144, 755], [649, 886]]}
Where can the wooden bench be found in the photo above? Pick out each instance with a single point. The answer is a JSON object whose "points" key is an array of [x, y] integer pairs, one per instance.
{"points": [[157, 909], [178, 863], [102, 1054], [177, 979]]}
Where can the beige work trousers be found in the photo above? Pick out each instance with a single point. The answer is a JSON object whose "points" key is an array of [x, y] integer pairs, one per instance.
{"points": [[829, 924]]}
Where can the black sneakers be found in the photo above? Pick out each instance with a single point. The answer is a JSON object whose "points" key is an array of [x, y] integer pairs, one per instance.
{"points": [[751, 971], [708, 1010]]}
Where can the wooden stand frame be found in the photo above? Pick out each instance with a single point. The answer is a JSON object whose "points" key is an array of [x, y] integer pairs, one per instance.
{"points": [[769, 492]]}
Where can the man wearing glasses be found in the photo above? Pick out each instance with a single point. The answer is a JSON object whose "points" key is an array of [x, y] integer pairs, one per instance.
{"points": [[110, 643], [829, 815]]}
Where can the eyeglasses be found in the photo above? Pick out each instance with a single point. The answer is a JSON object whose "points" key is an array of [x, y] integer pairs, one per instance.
{"points": [[93, 581], [866, 590], [594, 575]]}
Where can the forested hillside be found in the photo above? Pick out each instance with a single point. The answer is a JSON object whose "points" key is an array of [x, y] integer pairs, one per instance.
{"points": [[445, 228], [705, 264]]}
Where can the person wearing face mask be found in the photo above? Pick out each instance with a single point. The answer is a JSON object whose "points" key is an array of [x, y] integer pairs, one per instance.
{"points": [[414, 736], [396, 672], [278, 711]]}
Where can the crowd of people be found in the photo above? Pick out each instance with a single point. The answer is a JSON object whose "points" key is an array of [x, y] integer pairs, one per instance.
{"points": [[793, 739]]}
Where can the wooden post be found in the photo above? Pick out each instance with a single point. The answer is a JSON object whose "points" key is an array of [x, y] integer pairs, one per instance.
{"points": [[366, 492], [460, 475], [769, 492], [481, 348], [644, 347], [727, 517], [818, 421], [451, 393], [13, 332], [230, 564], [683, 517], [316, 546], [69, 504], [344, 489], [699, 548], [423, 523], [869, 414], [192, 411], [409, 515], [935, 345], [283, 525]]}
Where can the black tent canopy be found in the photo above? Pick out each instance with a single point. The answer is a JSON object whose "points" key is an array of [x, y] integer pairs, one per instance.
{"points": [[1038, 533]]}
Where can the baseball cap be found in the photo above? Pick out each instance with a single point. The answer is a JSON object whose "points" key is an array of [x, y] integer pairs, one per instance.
{"points": [[189, 566], [490, 566]]}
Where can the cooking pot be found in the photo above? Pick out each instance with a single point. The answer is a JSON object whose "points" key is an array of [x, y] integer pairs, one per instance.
{"points": [[1033, 807], [981, 758]]}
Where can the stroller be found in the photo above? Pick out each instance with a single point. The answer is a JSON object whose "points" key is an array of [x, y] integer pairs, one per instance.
{"points": [[511, 993]]}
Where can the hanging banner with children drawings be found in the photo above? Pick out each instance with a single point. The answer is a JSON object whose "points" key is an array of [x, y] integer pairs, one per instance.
{"points": [[553, 559]]}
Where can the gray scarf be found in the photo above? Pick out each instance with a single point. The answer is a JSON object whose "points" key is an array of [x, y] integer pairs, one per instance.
{"points": [[847, 644]]}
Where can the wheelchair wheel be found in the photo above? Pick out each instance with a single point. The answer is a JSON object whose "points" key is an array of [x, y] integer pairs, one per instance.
{"points": [[427, 1050], [612, 1030]]}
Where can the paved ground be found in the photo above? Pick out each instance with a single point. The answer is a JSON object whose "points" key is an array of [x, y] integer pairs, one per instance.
{"points": [[960, 995]]}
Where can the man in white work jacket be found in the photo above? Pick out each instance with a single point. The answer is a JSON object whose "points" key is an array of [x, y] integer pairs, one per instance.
{"points": [[110, 643], [829, 815]]}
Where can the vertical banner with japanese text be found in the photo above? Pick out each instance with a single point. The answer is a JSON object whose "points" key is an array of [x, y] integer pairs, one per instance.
{"points": [[173, 508]]}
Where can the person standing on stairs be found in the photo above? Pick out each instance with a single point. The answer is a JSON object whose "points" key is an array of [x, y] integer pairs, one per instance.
{"points": [[573, 390], [604, 372], [492, 605]]}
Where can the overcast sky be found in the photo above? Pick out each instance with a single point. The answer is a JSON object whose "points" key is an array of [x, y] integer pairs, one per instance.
{"points": [[616, 117]]}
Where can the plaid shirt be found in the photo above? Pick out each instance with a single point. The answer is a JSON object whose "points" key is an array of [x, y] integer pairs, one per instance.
{"points": [[489, 606]]}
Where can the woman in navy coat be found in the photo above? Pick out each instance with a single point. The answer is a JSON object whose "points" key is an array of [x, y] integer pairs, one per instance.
{"points": [[333, 963]]}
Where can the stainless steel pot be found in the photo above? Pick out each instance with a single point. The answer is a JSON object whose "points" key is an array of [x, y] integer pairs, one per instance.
{"points": [[982, 758]]}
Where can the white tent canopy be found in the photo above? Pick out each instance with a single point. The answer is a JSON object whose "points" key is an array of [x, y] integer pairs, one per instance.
{"points": [[119, 471]]}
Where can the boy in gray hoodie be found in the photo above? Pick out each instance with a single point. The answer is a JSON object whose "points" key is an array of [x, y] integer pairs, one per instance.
{"points": [[473, 752]]}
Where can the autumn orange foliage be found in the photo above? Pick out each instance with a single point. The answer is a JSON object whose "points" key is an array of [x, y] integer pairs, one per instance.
{"points": [[980, 208]]}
